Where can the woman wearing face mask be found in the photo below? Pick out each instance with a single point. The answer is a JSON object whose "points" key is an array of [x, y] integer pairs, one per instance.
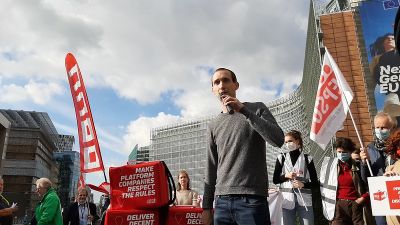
{"points": [[295, 172], [343, 191], [393, 149]]}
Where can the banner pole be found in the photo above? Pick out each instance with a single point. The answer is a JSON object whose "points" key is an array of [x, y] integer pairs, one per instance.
{"points": [[104, 173], [359, 139]]}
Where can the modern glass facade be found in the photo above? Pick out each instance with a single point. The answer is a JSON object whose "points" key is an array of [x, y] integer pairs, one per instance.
{"points": [[182, 146], [141, 154], [69, 170]]}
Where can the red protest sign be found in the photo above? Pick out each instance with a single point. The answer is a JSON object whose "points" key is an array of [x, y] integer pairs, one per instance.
{"points": [[131, 217], [183, 215], [140, 186], [393, 190]]}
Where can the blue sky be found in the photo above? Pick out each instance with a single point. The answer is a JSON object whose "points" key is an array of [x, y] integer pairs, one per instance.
{"points": [[145, 63]]}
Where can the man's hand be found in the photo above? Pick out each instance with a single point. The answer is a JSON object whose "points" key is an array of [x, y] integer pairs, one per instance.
{"points": [[14, 207], [364, 154], [90, 218], [233, 102], [390, 173], [207, 217]]}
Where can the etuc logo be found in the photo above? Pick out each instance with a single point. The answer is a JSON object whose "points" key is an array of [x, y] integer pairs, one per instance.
{"points": [[379, 195]]}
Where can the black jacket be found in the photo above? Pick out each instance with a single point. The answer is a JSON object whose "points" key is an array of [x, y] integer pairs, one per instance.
{"points": [[71, 215]]}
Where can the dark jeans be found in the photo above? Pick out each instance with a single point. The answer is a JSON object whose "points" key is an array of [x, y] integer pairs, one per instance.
{"points": [[380, 220], [348, 212], [241, 210]]}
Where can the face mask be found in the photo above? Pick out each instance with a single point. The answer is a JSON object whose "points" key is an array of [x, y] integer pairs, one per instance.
{"points": [[291, 146], [382, 134], [343, 156]]}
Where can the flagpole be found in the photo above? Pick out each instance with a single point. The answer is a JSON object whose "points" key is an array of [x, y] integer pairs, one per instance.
{"points": [[105, 177], [301, 196], [351, 115]]}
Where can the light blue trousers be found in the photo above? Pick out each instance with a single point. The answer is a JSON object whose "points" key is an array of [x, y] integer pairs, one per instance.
{"points": [[305, 217]]}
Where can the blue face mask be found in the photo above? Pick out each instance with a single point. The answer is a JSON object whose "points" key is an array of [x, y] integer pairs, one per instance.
{"points": [[343, 156], [382, 134]]}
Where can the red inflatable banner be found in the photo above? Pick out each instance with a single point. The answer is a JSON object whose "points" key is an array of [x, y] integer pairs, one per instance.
{"points": [[141, 186], [90, 154], [184, 215], [103, 187], [131, 217]]}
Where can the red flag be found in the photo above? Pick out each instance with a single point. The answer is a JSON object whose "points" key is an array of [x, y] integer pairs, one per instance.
{"points": [[104, 187], [90, 154], [332, 102], [81, 182]]}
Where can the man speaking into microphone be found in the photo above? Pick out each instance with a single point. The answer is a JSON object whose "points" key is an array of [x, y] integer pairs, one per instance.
{"points": [[236, 169]]}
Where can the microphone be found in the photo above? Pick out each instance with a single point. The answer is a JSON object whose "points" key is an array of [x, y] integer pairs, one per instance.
{"points": [[228, 107]]}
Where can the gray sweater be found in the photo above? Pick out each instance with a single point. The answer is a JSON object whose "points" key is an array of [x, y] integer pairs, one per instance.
{"points": [[236, 152]]}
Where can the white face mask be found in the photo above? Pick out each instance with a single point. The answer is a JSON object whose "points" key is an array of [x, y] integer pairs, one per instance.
{"points": [[291, 146], [382, 134]]}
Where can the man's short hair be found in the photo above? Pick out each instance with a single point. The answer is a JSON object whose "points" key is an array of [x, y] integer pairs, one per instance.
{"points": [[233, 75], [44, 183], [83, 189], [393, 123]]}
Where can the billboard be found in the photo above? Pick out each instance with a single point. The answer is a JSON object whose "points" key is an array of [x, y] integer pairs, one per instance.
{"points": [[377, 20]]}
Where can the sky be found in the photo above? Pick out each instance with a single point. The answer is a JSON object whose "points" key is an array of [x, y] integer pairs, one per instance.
{"points": [[145, 63]]}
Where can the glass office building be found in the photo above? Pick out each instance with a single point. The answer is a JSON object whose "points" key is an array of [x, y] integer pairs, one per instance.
{"points": [[69, 169], [182, 146]]}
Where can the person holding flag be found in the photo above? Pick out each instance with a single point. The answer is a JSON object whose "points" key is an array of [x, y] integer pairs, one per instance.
{"points": [[332, 104], [343, 186], [375, 152], [295, 170]]}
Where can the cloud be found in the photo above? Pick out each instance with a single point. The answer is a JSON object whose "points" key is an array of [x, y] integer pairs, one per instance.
{"points": [[36, 36], [38, 92], [149, 48], [143, 50], [138, 131]]}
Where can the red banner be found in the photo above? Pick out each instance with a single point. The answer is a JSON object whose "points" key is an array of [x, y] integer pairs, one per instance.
{"points": [[90, 154], [81, 182], [104, 187]]}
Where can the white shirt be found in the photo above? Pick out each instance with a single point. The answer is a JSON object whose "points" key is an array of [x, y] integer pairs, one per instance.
{"points": [[83, 213]]}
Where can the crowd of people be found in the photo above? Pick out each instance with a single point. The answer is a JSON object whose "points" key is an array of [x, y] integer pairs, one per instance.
{"points": [[235, 177], [236, 182]]}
